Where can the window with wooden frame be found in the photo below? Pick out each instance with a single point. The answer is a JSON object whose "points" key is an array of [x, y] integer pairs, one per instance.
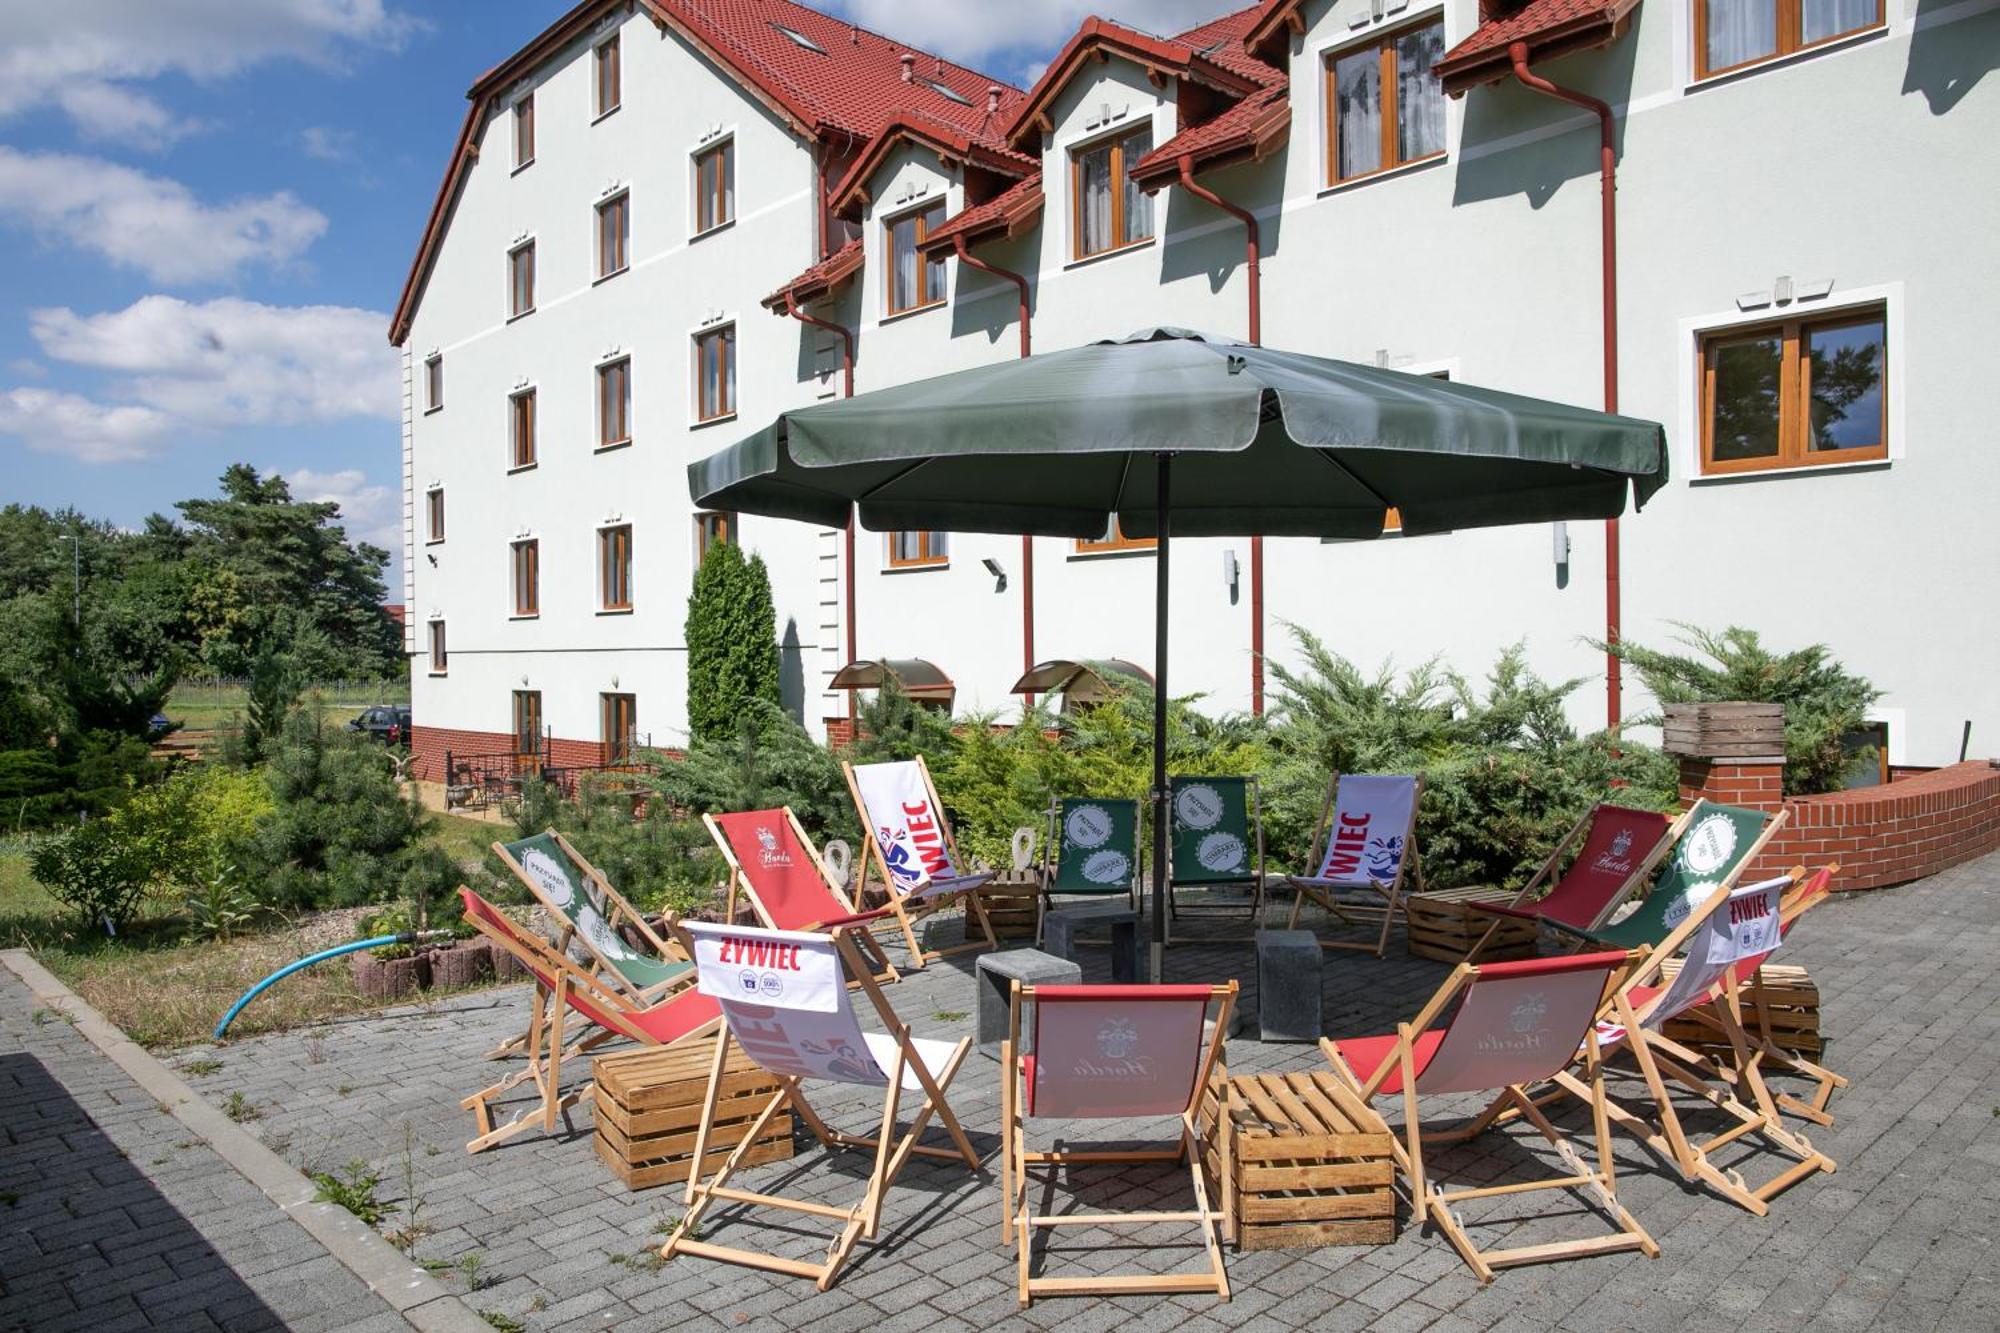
{"points": [[1734, 34], [1114, 539], [440, 661], [614, 235], [434, 514], [1798, 393], [1109, 212], [524, 131], [1384, 103], [434, 383], [521, 430], [521, 280], [528, 724], [715, 186], [614, 403], [614, 568], [715, 373], [619, 720], [527, 578], [609, 81], [915, 280], [918, 550], [710, 530]]}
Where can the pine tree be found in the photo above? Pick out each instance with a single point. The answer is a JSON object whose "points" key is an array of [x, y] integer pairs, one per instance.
{"points": [[732, 642]]}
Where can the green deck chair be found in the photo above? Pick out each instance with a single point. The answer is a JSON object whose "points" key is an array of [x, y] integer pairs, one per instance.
{"points": [[1716, 844], [581, 900], [1092, 851], [1215, 840]]}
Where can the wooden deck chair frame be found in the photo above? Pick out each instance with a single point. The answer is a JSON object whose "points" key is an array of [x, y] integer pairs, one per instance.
{"points": [[880, 966], [1254, 801], [1052, 858], [560, 986], [1018, 1224], [1412, 863], [891, 1153], [1773, 821], [1431, 1202], [1546, 874], [908, 914]]}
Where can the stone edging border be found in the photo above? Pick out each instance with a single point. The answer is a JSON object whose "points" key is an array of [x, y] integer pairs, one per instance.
{"points": [[423, 1302]]}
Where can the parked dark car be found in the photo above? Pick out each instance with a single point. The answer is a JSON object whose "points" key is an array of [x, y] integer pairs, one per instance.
{"points": [[387, 723]]}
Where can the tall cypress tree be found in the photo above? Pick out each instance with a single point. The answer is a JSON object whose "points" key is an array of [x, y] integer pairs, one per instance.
{"points": [[732, 642]]}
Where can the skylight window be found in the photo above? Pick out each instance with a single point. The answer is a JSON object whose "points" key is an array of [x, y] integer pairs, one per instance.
{"points": [[951, 93], [800, 38]]}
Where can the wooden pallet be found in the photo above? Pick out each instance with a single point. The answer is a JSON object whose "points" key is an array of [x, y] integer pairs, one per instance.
{"points": [[1303, 1171], [1782, 1004], [648, 1107], [1441, 926], [1011, 905]]}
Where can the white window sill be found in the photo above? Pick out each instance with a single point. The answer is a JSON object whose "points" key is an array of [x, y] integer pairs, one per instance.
{"points": [[612, 447], [1119, 553], [603, 278], [614, 611], [537, 615], [433, 411], [1790, 58], [918, 567], [703, 423], [1387, 173], [1798, 470], [704, 235], [434, 541], [915, 310], [1114, 253], [520, 167], [522, 467], [519, 315], [607, 113]]}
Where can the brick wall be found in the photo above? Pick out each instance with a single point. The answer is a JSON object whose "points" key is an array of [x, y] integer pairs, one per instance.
{"points": [[429, 744]]}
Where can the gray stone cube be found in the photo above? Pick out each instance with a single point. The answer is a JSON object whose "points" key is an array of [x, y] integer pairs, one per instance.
{"points": [[996, 974], [1288, 985], [1061, 929]]}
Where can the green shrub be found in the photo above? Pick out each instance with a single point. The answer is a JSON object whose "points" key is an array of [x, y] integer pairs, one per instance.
{"points": [[101, 873], [657, 857], [766, 760], [1823, 701], [201, 817], [340, 827]]}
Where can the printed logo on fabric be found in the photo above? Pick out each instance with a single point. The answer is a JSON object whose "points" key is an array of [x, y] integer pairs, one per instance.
{"points": [[768, 853], [1199, 806], [549, 876], [1107, 867], [1220, 852], [1087, 826], [1711, 844]]}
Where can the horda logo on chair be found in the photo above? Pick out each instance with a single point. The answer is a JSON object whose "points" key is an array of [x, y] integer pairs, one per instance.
{"points": [[1198, 806], [768, 853], [1087, 826], [1613, 860], [1525, 1030]]}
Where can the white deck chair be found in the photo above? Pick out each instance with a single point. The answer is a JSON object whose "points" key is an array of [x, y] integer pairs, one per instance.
{"points": [[1367, 840], [908, 841]]}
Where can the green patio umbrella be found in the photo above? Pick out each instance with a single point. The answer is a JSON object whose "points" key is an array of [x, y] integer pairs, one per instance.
{"points": [[1184, 434]]}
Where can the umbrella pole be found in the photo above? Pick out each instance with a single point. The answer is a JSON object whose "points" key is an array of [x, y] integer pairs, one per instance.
{"points": [[1165, 545]]}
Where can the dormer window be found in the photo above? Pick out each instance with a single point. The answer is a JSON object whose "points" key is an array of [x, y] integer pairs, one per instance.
{"points": [[1384, 103], [1110, 211], [915, 280]]}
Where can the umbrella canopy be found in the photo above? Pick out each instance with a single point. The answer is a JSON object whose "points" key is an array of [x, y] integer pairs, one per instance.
{"points": [[1265, 442]]}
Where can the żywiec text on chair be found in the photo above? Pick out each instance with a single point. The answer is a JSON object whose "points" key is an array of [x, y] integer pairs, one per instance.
{"points": [[910, 845], [1215, 841], [587, 909], [775, 865], [1092, 851], [786, 1003], [1517, 1024], [1619, 852], [684, 1014], [1109, 1053], [1717, 843], [1367, 839]]}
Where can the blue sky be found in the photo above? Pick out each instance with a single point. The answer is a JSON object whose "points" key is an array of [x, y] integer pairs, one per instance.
{"points": [[207, 208]]}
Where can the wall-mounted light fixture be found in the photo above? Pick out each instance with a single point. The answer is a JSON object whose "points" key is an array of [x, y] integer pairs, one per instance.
{"points": [[1229, 573], [1560, 550], [999, 574]]}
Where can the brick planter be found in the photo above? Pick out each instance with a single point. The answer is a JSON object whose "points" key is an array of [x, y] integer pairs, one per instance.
{"points": [[391, 978], [466, 963]]}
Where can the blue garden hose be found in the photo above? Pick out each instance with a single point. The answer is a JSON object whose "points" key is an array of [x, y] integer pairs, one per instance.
{"points": [[380, 941]]}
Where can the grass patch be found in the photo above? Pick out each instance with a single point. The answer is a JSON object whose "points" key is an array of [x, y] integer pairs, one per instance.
{"points": [[205, 706]]}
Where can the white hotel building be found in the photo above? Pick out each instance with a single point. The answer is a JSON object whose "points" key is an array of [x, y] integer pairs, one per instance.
{"points": [[666, 221]]}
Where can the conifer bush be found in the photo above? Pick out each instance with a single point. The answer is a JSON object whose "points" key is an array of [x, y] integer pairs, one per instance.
{"points": [[732, 642]]}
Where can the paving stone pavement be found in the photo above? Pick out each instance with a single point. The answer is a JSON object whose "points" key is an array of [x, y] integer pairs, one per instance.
{"points": [[1902, 1237]]}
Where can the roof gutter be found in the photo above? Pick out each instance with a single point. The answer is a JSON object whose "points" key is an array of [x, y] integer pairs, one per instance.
{"points": [[1253, 269], [1517, 54]]}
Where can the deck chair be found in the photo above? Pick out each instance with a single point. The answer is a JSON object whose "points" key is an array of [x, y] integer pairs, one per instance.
{"points": [[1215, 839], [684, 1015], [786, 1002], [582, 903], [909, 844], [1517, 1024], [1620, 852], [1109, 1053], [1367, 839], [1092, 851], [1743, 926], [1716, 844], [776, 867]]}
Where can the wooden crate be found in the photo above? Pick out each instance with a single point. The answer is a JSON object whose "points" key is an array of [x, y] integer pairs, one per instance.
{"points": [[1010, 904], [1781, 1003], [1441, 926], [1301, 1170], [648, 1106]]}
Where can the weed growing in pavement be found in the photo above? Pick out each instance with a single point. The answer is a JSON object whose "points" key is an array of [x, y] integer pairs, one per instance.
{"points": [[355, 1193], [502, 1322], [201, 1068], [413, 1229], [950, 1016], [469, 1265], [315, 1047], [240, 1108]]}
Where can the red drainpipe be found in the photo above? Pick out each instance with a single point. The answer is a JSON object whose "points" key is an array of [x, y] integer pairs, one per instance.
{"points": [[1027, 543], [1252, 247], [846, 391], [1517, 52]]}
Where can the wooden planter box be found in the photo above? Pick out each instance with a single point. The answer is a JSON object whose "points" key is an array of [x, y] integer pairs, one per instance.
{"points": [[1010, 905], [1782, 1004], [1441, 926], [648, 1106], [1302, 1172]]}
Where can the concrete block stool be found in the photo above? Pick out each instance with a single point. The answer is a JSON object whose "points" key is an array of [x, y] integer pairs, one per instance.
{"points": [[1288, 987], [997, 974], [1061, 928]]}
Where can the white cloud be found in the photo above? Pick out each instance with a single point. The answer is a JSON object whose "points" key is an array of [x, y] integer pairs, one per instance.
{"points": [[328, 145], [150, 223], [65, 423], [371, 513], [979, 32], [83, 57]]}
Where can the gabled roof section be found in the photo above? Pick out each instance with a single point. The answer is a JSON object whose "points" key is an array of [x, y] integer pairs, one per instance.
{"points": [[1008, 213], [1551, 28], [821, 280], [985, 149], [1269, 21], [1159, 56], [1247, 131]]}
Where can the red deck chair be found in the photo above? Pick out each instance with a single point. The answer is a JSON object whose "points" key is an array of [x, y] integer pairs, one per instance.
{"points": [[1619, 854], [562, 986], [1517, 1024], [776, 866], [1109, 1053]]}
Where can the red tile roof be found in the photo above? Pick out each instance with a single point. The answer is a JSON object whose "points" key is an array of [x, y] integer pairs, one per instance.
{"points": [[822, 279], [986, 149], [1166, 55], [1222, 41], [1249, 129], [1550, 28], [1008, 213]]}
